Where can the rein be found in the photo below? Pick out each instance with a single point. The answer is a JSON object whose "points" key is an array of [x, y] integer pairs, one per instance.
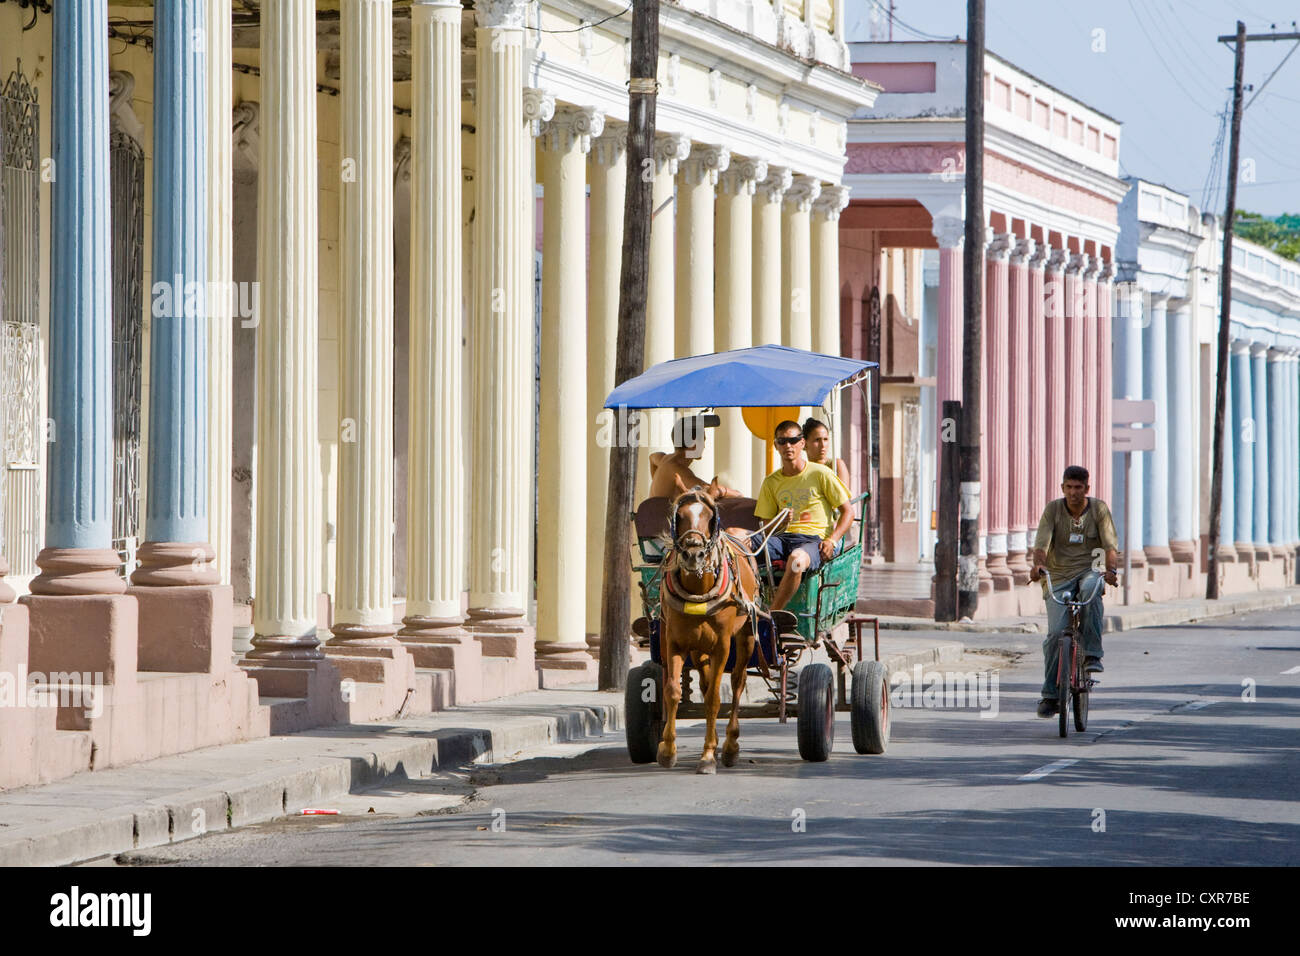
{"points": [[719, 560]]}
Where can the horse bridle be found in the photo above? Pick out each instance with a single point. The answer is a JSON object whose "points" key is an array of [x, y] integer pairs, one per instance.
{"points": [[710, 546]]}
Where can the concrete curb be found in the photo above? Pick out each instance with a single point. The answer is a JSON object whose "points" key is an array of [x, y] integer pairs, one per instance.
{"points": [[307, 781]]}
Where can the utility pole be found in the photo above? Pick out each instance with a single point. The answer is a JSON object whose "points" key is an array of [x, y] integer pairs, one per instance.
{"points": [[1225, 292], [968, 582], [945, 547], [616, 600]]}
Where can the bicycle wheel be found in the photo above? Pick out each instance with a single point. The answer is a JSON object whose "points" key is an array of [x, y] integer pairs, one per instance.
{"points": [[1064, 660], [1080, 695]]}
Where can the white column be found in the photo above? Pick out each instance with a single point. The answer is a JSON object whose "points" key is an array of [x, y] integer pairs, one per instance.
{"points": [[217, 47], [562, 462], [767, 278], [733, 305], [607, 173], [363, 612], [288, 503], [796, 262], [826, 211]]}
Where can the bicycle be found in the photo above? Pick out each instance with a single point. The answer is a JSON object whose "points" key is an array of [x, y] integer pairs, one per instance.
{"points": [[1072, 681]]}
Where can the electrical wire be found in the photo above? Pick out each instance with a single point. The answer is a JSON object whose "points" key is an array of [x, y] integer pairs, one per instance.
{"points": [[585, 26]]}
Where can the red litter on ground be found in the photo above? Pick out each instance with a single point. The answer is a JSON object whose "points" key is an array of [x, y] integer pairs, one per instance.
{"points": [[311, 812]]}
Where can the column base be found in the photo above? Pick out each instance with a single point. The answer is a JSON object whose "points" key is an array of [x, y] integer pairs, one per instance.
{"points": [[78, 571], [444, 644], [386, 671], [287, 650], [507, 641], [593, 645], [560, 663], [1225, 554], [1137, 559], [84, 633], [1018, 563], [1279, 551], [1263, 552], [175, 564], [1183, 552], [185, 628], [1002, 576], [985, 576], [1245, 551], [1158, 554]]}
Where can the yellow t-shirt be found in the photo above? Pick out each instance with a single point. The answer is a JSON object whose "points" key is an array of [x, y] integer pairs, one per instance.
{"points": [[812, 497]]}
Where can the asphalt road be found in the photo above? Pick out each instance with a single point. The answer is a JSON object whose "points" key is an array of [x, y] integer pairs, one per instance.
{"points": [[1178, 767]]}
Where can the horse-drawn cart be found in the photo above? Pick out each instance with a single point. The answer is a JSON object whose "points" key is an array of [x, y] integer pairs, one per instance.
{"points": [[821, 615]]}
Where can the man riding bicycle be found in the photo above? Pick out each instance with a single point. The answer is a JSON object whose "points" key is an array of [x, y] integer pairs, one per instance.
{"points": [[1073, 534]]}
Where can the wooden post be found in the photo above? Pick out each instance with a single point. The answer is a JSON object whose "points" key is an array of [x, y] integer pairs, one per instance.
{"points": [[945, 549], [616, 608]]}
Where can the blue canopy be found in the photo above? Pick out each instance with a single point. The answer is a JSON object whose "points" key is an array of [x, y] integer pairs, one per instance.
{"points": [[763, 376]]}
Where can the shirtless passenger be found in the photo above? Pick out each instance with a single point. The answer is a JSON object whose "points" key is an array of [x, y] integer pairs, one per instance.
{"points": [[671, 474]]}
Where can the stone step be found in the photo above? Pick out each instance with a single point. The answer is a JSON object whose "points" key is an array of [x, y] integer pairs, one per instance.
{"points": [[506, 676]]}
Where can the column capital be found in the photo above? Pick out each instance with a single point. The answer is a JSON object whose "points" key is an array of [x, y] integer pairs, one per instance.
{"points": [[774, 185], [1022, 251], [832, 201], [1040, 255], [1107, 272], [121, 88], [402, 160], [671, 149], [539, 107], [999, 248], [571, 126], [1258, 349], [1092, 268], [1056, 260], [608, 147], [949, 230], [743, 174], [245, 128], [500, 14], [803, 192], [705, 162], [1276, 354], [1076, 263], [1239, 347]]}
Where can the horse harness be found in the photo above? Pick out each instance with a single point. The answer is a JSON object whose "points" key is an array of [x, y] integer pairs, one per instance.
{"points": [[719, 556]]}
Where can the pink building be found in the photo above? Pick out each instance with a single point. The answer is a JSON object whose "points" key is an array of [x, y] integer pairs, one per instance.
{"points": [[1051, 195]]}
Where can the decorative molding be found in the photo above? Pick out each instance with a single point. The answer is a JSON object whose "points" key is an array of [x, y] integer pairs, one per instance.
{"points": [[832, 201], [715, 88], [803, 192], [121, 91], [783, 119], [705, 162], [246, 118], [584, 41], [402, 161], [539, 107], [670, 150], [570, 125], [673, 73], [950, 231], [814, 120], [751, 102], [940, 158], [500, 14], [774, 185]]}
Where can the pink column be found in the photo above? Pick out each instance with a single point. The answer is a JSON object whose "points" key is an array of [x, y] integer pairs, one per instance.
{"points": [[949, 231], [1039, 490], [1087, 424], [996, 387], [1018, 374], [1074, 364], [1054, 348], [986, 577], [1105, 372]]}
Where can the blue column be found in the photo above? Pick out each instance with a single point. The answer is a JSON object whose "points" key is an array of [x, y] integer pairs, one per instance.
{"points": [[1182, 433], [1292, 426], [1228, 506], [1243, 437], [176, 509], [1279, 492], [1127, 383], [1156, 478], [78, 519], [1259, 404]]}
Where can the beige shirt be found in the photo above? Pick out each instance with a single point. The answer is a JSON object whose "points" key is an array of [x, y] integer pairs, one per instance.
{"points": [[1074, 545]]}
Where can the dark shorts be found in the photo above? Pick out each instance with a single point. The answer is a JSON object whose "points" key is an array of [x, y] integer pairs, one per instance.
{"points": [[781, 546]]}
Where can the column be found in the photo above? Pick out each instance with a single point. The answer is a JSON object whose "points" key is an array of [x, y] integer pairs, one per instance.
{"points": [[176, 549], [220, 307], [287, 576], [1054, 347], [501, 343], [1074, 361], [433, 628], [607, 174], [1260, 417], [1279, 493], [1087, 422], [949, 231], [767, 278], [660, 329], [1128, 385], [697, 178], [1155, 535], [826, 290], [996, 388], [1244, 434], [1292, 376], [1019, 371], [1181, 424], [562, 460], [1040, 478], [1228, 508], [78, 556], [733, 306], [363, 608], [796, 262], [1104, 482]]}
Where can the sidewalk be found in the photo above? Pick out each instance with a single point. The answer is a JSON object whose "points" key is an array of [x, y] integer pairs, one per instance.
{"points": [[107, 812], [1186, 611]]}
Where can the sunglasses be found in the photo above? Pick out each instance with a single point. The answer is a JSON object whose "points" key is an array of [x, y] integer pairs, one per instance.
{"points": [[790, 441]]}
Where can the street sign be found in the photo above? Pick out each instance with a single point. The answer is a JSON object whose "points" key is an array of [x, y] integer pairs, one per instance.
{"points": [[1126, 411], [1124, 439]]}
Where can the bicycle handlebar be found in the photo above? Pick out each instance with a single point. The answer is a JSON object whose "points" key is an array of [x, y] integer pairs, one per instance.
{"points": [[1051, 594]]}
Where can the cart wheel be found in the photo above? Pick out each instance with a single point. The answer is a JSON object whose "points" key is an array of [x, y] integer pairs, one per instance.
{"points": [[816, 708], [645, 724], [869, 710]]}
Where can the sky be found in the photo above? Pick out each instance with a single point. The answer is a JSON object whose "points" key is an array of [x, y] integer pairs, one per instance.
{"points": [[1158, 68]]}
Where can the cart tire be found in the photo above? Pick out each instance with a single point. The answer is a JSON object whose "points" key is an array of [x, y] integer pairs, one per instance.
{"points": [[869, 707], [644, 718], [816, 708]]}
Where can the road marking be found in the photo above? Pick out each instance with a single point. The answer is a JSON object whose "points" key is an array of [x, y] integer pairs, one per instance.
{"points": [[1293, 670], [1052, 767]]}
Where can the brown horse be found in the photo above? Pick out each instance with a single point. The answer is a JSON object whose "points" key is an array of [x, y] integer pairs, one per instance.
{"points": [[706, 600]]}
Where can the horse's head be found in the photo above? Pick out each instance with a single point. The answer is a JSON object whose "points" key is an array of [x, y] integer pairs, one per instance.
{"points": [[695, 526]]}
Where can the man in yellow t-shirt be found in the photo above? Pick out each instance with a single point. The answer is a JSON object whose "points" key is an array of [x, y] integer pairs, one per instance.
{"points": [[812, 492]]}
